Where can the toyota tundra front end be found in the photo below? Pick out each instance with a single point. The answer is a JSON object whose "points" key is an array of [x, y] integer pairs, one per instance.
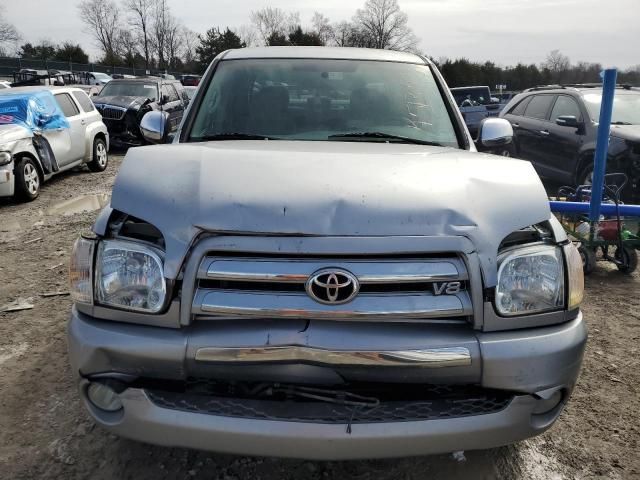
{"points": [[323, 267]]}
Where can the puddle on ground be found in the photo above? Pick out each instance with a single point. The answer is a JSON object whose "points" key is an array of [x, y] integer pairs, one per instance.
{"points": [[83, 203]]}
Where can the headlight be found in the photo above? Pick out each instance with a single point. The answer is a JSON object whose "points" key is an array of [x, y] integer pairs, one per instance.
{"points": [[5, 158], [130, 276], [530, 280]]}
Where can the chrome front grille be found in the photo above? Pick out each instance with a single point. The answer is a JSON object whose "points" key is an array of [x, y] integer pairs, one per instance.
{"points": [[110, 112], [390, 289]]}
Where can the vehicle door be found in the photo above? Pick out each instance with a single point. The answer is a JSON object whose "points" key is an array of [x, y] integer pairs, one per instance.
{"points": [[559, 145], [172, 104], [89, 115], [67, 144], [529, 126]]}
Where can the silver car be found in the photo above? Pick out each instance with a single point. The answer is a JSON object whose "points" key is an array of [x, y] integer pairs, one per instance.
{"points": [[325, 267], [45, 131]]}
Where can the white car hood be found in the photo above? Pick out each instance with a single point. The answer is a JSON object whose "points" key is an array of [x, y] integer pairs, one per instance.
{"points": [[328, 188]]}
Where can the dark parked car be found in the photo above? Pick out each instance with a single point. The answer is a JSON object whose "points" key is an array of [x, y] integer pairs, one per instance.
{"points": [[124, 102], [555, 129], [190, 80]]}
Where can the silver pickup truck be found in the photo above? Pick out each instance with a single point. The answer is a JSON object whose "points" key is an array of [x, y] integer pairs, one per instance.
{"points": [[322, 266]]}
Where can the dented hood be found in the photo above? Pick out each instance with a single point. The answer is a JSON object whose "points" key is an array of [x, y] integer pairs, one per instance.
{"points": [[327, 188]]}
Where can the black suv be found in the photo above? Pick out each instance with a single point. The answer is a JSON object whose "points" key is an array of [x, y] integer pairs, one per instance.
{"points": [[555, 129], [124, 102]]}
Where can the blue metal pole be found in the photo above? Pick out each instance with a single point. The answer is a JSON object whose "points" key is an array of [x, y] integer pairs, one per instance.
{"points": [[605, 209], [602, 142]]}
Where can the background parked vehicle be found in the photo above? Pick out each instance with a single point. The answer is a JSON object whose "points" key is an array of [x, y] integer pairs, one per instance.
{"points": [[95, 78], [123, 103], [555, 129], [475, 104], [190, 80], [44, 131]]}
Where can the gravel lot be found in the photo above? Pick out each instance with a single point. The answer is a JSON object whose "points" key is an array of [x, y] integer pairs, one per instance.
{"points": [[44, 432]]}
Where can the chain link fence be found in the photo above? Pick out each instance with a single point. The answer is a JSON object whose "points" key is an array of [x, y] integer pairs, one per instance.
{"points": [[11, 65]]}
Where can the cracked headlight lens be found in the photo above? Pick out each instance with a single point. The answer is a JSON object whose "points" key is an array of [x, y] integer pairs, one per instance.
{"points": [[530, 280], [130, 276]]}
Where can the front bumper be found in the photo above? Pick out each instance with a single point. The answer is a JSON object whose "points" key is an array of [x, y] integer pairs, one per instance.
{"points": [[7, 180], [534, 363]]}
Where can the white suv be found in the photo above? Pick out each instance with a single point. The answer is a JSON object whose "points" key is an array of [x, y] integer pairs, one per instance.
{"points": [[44, 131]]}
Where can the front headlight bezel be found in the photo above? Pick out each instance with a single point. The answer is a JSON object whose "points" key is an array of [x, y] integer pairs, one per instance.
{"points": [[135, 247], [519, 252]]}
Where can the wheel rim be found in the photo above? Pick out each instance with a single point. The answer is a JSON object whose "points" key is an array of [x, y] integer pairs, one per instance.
{"points": [[506, 153], [588, 178], [101, 154], [31, 179]]}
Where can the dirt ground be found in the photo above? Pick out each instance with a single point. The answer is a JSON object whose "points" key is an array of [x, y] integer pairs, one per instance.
{"points": [[44, 432]]}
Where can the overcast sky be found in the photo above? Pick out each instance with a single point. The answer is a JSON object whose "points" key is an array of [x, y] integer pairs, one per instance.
{"points": [[504, 31]]}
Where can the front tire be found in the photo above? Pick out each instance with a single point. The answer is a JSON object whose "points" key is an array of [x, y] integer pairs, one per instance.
{"points": [[585, 177], [27, 180], [100, 157], [629, 258]]}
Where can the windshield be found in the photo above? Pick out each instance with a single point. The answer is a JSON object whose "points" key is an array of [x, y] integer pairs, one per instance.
{"points": [[101, 76], [626, 107], [130, 89], [471, 97], [315, 99]]}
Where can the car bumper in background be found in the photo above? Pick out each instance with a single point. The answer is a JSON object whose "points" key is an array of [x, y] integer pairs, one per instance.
{"points": [[7, 181]]}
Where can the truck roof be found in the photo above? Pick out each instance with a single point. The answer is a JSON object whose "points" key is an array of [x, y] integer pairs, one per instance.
{"points": [[336, 53]]}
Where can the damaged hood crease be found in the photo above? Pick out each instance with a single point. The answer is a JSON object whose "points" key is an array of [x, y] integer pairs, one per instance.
{"points": [[328, 189]]}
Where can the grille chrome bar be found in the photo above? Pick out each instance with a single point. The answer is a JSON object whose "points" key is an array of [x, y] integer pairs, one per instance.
{"points": [[426, 358], [391, 289], [391, 307], [291, 271]]}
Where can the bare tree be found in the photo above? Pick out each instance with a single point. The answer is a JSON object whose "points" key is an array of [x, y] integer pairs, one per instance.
{"points": [[386, 25], [127, 46], [175, 41], [140, 18], [558, 64], [270, 21], [8, 33], [347, 34], [159, 31], [101, 19], [249, 35], [190, 41], [322, 27]]}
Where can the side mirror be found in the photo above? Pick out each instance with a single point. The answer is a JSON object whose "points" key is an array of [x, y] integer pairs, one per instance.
{"points": [[567, 121], [155, 126], [164, 99], [494, 132]]}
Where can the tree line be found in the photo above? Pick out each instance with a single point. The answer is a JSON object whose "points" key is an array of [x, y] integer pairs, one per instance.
{"points": [[145, 34]]}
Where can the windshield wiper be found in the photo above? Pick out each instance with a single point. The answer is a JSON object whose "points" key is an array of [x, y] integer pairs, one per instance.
{"points": [[232, 136], [383, 136]]}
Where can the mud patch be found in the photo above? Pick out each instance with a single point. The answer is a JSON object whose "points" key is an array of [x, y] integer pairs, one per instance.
{"points": [[11, 351], [83, 203]]}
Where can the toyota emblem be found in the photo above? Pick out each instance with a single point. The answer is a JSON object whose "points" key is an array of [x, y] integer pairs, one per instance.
{"points": [[332, 286]]}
